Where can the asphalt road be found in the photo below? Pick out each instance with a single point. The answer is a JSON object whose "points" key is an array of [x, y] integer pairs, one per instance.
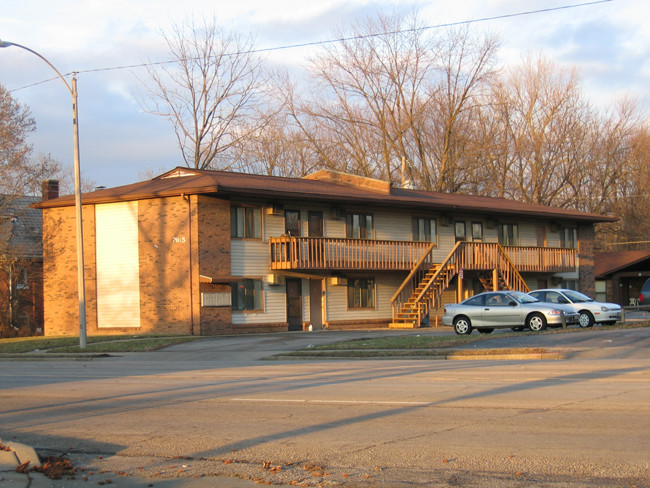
{"points": [[215, 413]]}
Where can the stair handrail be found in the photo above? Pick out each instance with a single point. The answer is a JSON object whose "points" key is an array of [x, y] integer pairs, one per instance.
{"points": [[443, 266], [424, 262], [519, 280]]}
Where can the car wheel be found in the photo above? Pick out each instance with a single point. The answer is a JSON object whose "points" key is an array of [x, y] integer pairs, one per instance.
{"points": [[487, 330], [517, 329], [536, 322], [462, 326], [586, 319]]}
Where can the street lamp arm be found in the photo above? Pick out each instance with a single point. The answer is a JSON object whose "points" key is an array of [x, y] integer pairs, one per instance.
{"points": [[9, 44]]}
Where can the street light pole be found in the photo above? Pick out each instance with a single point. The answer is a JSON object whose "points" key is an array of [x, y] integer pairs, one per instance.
{"points": [[81, 282]]}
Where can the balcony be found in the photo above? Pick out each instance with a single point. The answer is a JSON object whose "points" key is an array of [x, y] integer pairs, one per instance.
{"points": [[324, 253], [542, 259]]}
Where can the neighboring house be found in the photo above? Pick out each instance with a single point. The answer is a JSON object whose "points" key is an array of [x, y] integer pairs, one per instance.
{"points": [[208, 252], [21, 263], [620, 276]]}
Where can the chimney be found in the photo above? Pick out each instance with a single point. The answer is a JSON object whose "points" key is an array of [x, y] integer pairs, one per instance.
{"points": [[50, 189]]}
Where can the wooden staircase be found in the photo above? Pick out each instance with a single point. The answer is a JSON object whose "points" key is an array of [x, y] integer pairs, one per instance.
{"points": [[422, 289]]}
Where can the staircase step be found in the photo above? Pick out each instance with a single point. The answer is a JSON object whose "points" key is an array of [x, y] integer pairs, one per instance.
{"points": [[402, 325]]}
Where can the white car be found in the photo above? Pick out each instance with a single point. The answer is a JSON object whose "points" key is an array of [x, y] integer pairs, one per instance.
{"points": [[590, 311]]}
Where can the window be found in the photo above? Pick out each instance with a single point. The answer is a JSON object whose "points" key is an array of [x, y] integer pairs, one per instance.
{"points": [[476, 301], [246, 222], [496, 300], [361, 293], [425, 230], [358, 226], [247, 296], [477, 231], [509, 235], [568, 237], [292, 222], [460, 230], [21, 279]]}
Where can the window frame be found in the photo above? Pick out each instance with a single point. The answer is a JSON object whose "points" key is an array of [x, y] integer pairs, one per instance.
{"points": [[422, 226], [460, 224], [477, 225], [370, 291], [571, 243], [246, 211], [350, 225], [239, 301], [502, 235]]}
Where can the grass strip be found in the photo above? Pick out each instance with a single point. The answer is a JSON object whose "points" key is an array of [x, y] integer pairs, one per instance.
{"points": [[96, 344], [406, 353]]}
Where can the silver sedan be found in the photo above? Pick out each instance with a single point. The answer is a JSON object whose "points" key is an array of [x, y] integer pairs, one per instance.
{"points": [[498, 309]]}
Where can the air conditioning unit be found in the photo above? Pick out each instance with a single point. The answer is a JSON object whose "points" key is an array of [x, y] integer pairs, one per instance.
{"points": [[276, 209], [338, 213], [338, 281], [274, 279]]}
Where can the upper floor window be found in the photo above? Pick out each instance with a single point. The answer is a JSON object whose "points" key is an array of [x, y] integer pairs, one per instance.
{"points": [[361, 293], [292, 222], [425, 230], [460, 231], [247, 296], [358, 226], [477, 231], [246, 222], [509, 234], [569, 237]]}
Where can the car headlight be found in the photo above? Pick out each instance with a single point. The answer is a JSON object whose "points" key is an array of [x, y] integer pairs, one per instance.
{"points": [[555, 312], [606, 309]]}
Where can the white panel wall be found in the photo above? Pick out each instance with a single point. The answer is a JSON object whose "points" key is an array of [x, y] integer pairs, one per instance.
{"points": [[337, 300], [250, 259], [118, 271]]}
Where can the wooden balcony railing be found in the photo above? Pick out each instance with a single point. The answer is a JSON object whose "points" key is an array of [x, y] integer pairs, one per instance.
{"points": [[542, 259], [324, 253]]}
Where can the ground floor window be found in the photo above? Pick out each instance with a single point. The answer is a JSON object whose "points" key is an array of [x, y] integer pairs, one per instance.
{"points": [[361, 293], [247, 296]]}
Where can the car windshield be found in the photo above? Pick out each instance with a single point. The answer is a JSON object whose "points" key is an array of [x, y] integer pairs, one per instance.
{"points": [[522, 297], [577, 297]]}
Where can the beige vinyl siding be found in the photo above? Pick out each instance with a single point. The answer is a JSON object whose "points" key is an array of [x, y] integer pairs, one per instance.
{"points": [[118, 270], [337, 300], [250, 259]]}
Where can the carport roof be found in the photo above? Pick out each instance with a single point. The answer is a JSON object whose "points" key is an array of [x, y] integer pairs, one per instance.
{"points": [[323, 186], [608, 263]]}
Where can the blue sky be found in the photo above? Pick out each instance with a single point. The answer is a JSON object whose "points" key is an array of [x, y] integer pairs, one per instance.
{"points": [[609, 44]]}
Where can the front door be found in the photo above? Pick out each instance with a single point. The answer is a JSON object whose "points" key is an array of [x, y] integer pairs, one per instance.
{"points": [[316, 303], [294, 303]]}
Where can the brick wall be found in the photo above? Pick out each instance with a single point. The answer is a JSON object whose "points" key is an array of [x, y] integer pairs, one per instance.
{"points": [[164, 252], [60, 297], [169, 228], [211, 240]]}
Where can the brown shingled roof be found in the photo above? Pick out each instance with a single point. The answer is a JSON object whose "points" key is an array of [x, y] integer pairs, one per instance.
{"points": [[610, 262], [222, 183]]}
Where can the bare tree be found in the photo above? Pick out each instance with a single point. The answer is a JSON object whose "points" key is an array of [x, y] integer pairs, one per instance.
{"points": [[210, 92], [542, 133], [390, 91]]}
